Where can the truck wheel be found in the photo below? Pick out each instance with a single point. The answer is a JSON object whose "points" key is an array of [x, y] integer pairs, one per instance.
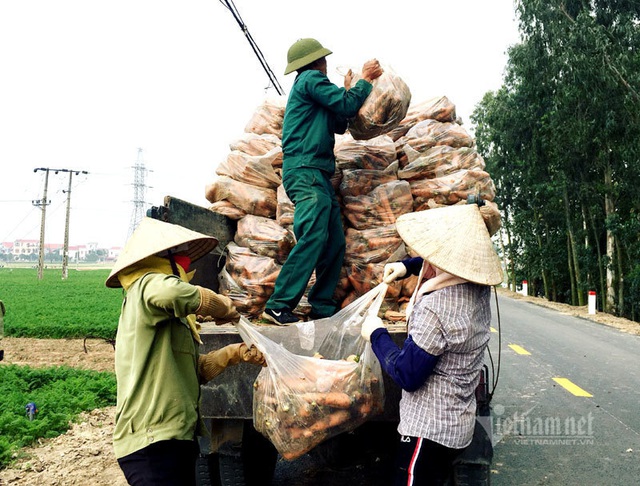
{"points": [[207, 470], [251, 463]]}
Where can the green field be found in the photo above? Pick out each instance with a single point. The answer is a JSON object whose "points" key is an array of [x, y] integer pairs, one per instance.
{"points": [[59, 393], [77, 307]]}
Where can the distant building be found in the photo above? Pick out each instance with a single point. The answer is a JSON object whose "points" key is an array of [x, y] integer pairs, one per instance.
{"points": [[6, 248], [24, 249], [114, 253]]}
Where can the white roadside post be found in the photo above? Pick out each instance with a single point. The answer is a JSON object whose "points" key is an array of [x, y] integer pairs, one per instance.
{"points": [[592, 302]]}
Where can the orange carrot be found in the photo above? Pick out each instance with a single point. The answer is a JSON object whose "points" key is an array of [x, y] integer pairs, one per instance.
{"points": [[331, 399]]}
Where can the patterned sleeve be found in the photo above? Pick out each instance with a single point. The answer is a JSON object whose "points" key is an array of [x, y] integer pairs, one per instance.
{"points": [[426, 330]]}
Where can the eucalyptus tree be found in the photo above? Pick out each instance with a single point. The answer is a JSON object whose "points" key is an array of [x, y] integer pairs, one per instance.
{"points": [[565, 128]]}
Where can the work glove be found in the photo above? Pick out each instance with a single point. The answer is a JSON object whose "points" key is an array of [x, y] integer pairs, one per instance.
{"points": [[215, 306], [393, 271], [370, 324], [212, 364]]}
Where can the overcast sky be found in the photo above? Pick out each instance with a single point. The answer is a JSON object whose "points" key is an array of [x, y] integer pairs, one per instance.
{"points": [[86, 83]]}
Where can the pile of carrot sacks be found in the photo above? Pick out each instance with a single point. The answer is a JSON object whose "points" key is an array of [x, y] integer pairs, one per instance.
{"points": [[424, 159]]}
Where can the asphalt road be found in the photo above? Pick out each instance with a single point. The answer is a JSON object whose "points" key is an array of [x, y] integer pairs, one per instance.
{"points": [[566, 409], [548, 434]]}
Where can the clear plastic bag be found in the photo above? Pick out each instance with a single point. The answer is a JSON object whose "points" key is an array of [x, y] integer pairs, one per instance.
{"points": [[384, 108], [322, 377]]}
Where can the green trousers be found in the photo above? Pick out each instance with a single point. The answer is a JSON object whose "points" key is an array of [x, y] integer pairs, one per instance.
{"points": [[320, 243]]}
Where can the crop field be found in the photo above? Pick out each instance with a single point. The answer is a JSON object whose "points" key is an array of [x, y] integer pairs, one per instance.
{"points": [[59, 394], [80, 306]]}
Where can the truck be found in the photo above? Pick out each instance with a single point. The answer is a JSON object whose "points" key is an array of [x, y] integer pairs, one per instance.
{"points": [[233, 453]]}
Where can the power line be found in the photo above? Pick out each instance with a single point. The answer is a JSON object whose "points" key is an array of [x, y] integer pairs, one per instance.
{"points": [[236, 15]]}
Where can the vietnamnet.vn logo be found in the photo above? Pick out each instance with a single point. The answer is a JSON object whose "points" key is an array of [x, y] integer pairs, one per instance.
{"points": [[527, 428]]}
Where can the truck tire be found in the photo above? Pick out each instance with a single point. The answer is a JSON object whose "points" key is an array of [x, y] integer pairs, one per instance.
{"points": [[207, 470], [251, 463]]}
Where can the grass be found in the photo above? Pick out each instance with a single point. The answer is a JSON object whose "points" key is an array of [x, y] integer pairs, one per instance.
{"points": [[77, 307], [59, 393]]}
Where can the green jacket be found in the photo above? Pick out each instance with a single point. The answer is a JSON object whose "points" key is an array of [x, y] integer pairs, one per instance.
{"points": [[316, 110], [156, 364]]}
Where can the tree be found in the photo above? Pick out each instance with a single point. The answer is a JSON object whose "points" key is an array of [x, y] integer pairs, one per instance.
{"points": [[560, 139]]}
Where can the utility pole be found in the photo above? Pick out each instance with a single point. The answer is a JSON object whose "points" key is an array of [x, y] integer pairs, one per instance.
{"points": [[42, 203], [65, 251]]}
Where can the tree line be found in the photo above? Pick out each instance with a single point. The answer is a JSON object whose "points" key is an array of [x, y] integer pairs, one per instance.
{"points": [[561, 140]]}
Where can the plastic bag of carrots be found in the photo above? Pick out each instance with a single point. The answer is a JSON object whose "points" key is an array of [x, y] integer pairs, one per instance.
{"points": [[375, 154], [265, 237], [268, 117], [322, 377], [248, 279], [384, 108], [429, 133], [439, 108], [256, 170], [380, 207]]}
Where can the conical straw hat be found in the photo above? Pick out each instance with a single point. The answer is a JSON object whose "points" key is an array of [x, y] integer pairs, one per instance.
{"points": [[153, 236], [454, 239]]}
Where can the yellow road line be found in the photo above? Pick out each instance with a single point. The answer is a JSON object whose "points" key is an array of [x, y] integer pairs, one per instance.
{"points": [[572, 388], [519, 349], [493, 329]]}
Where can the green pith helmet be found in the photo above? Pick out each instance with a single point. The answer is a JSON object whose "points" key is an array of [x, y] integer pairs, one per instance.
{"points": [[303, 52]]}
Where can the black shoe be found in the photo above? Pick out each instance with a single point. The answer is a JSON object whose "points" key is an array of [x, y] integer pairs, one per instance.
{"points": [[280, 317]]}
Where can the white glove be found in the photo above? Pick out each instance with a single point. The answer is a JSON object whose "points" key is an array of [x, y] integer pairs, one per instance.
{"points": [[393, 271], [369, 325]]}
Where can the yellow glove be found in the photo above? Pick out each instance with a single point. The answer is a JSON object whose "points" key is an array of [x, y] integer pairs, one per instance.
{"points": [[216, 306], [212, 364]]}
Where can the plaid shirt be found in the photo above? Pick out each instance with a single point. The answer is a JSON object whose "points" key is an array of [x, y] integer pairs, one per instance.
{"points": [[452, 323]]}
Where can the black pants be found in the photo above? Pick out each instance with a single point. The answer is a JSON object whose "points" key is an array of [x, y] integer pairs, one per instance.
{"points": [[166, 463], [421, 462]]}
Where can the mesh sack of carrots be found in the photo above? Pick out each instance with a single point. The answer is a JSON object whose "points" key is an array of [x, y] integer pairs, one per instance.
{"points": [[268, 117], [376, 154], [265, 237], [439, 161], [327, 383], [260, 201], [384, 108], [256, 170], [380, 207], [429, 133], [439, 108]]}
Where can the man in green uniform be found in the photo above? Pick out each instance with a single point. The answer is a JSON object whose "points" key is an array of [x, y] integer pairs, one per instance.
{"points": [[158, 368], [316, 110]]}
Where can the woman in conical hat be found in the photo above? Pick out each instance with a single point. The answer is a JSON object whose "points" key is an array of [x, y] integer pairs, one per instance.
{"points": [[448, 318], [158, 368]]}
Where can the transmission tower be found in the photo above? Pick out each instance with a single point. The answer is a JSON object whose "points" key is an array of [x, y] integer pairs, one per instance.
{"points": [[139, 193]]}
